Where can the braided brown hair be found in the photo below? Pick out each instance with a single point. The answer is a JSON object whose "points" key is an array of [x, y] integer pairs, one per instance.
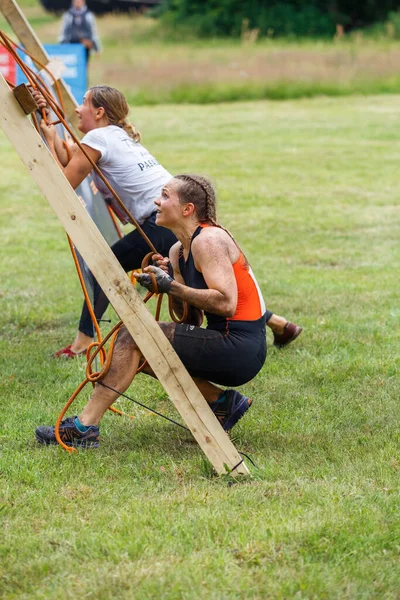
{"points": [[115, 107], [199, 191]]}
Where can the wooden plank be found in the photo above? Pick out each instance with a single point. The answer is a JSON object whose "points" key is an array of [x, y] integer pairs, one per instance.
{"points": [[162, 358], [56, 67], [32, 44]]}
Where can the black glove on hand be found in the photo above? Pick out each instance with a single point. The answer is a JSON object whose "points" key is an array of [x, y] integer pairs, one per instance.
{"points": [[163, 280]]}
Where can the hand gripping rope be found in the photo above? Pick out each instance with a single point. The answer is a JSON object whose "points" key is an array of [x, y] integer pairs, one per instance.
{"points": [[97, 348]]}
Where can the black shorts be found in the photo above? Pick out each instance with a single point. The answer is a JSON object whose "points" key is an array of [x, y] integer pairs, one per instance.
{"points": [[229, 358]]}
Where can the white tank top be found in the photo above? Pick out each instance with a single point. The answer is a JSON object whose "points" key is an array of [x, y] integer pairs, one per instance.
{"points": [[131, 170]]}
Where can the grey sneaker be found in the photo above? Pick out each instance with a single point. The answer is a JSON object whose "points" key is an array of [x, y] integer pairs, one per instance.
{"points": [[231, 408], [69, 434]]}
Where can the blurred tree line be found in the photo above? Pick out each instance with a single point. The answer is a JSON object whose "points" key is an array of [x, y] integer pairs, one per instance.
{"points": [[274, 17]]}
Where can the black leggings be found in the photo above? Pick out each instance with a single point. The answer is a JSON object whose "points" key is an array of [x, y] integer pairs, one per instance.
{"points": [[129, 251]]}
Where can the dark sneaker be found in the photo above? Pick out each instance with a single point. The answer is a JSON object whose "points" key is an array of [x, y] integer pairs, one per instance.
{"points": [[69, 434], [231, 408], [290, 333]]}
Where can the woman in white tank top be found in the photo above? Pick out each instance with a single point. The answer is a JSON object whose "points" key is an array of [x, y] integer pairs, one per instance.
{"points": [[113, 143]]}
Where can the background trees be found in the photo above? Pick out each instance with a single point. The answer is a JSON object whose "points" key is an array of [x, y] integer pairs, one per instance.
{"points": [[274, 17]]}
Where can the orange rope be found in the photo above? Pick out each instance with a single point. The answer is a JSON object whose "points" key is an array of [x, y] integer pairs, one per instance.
{"points": [[85, 292], [105, 358], [31, 75], [10, 45], [37, 82], [114, 220], [98, 347]]}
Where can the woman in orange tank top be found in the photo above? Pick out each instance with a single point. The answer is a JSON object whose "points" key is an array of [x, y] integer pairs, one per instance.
{"points": [[207, 269]]}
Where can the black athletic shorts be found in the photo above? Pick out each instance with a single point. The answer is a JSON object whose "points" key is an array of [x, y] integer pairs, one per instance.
{"points": [[230, 357]]}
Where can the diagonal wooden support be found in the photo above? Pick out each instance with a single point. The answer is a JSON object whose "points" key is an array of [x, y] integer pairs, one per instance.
{"points": [[162, 358], [32, 44]]}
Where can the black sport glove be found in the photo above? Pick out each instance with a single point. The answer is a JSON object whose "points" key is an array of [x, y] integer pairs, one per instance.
{"points": [[163, 280]]}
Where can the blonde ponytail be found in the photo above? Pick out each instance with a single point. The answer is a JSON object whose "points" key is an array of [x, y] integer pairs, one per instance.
{"points": [[115, 106], [131, 130]]}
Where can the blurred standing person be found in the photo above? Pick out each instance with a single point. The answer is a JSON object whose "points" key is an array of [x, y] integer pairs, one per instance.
{"points": [[78, 26]]}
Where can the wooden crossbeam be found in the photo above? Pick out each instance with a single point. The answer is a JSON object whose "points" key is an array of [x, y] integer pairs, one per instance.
{"points": [[152, 342], [32, 44]]}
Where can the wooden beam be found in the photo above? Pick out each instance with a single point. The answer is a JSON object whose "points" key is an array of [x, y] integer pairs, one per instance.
{"points": [[154, 345], [32, 44]]}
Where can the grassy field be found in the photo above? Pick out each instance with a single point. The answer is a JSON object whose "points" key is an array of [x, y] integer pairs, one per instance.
{"points": [[154, 66], [310, 190]]}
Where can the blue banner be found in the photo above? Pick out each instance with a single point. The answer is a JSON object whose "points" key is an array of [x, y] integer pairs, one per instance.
{"points": [[75, 73]]}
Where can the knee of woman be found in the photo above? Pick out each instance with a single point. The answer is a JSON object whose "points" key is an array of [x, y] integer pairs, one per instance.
{"points": [[168, 329], [125, 339]]}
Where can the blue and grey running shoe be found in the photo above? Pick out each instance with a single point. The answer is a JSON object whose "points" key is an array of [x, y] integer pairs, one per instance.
{"points": [[69, 434], [230, 408]]}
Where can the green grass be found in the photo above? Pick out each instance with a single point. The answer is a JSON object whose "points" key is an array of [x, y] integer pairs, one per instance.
{"points": [[310, 189], [213, 93]]}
